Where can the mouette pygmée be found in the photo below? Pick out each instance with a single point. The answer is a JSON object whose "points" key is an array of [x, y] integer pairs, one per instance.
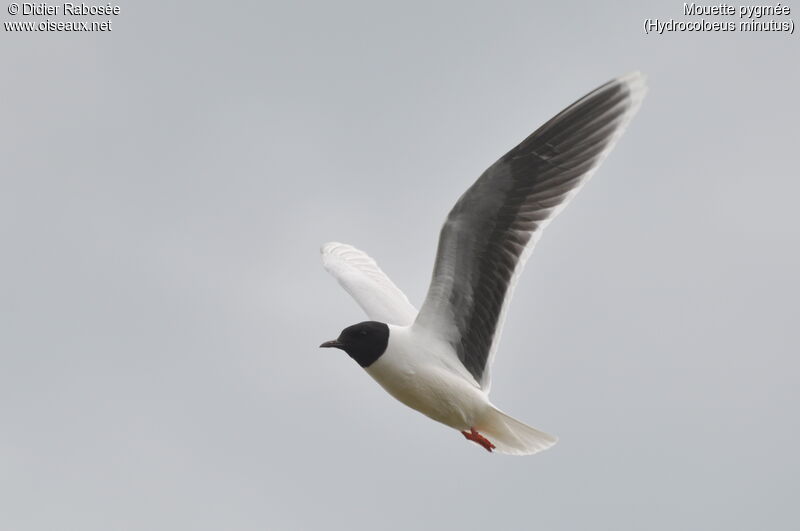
{"points": [[437, 360]]}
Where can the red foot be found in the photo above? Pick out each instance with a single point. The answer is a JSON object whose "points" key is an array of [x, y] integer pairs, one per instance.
{"points": [[476, 437]]}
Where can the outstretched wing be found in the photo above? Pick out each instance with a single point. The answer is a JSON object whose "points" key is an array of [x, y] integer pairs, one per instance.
{"points": [[361, 277], [493, 227]]}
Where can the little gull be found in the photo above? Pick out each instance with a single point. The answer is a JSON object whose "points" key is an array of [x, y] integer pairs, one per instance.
{"points": [[437, 360]]}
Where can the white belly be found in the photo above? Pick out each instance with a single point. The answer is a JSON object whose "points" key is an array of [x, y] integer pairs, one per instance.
{"points": [[416, 374]]}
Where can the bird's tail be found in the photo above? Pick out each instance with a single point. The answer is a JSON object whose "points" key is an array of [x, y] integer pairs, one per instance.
{"points": [[511, 436]]}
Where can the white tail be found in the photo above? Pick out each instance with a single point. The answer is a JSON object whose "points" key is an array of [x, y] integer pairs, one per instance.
{"points": [[511, 436]]}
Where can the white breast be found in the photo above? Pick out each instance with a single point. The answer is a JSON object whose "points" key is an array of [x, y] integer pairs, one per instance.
{"points": [[421, 373]]}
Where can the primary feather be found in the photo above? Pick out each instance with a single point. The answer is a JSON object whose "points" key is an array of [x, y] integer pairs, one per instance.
{"points": [[369, 286]]}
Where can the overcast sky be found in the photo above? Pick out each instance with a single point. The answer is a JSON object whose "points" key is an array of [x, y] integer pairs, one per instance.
{"points": [[164, 191]]}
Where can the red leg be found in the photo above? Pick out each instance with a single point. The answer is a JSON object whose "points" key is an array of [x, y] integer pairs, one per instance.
{"points": [[476, 437]]}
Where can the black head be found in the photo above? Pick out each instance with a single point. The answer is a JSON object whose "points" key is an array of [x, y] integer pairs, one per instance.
{"points": [[364, 342]]}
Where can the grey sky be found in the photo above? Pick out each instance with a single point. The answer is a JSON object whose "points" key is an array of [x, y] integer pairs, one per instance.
{"points": [[164, 192]]}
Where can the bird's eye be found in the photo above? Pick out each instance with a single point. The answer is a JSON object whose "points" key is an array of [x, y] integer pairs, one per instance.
{"points": [[363, 333]]}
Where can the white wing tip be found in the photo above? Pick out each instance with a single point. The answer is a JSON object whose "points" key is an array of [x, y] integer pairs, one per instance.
{"points": [[341, 250], [633, 74], [636, 83], [342, 253], [330, 247]]}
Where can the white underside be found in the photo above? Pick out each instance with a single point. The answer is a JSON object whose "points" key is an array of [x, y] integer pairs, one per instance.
{"points": [[418, 370], [414, 372]]}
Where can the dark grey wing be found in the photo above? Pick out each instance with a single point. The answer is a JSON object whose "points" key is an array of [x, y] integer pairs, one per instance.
{"points": [[493, 227]]}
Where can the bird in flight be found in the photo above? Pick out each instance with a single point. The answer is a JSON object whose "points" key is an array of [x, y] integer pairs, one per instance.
{"points": [[438, 360]]}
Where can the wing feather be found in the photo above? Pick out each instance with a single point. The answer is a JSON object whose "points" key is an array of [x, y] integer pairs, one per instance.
{"points": [[493, 227], [361, 277]]}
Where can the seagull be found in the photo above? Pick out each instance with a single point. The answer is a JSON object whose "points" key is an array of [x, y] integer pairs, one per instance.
{"points": [[437, 360]]}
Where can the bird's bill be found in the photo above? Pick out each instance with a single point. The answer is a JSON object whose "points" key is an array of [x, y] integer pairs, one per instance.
{"points": [[332, 344]]}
